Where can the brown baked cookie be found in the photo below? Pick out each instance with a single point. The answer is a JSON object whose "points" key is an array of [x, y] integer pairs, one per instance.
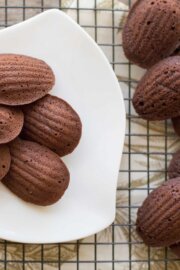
{"points": [[5, 160], [174, 166], [11, 123], [52, 122], [152, 31], [157, 96], [176, 249], [176, 125], [158, 219], [36, 175], [23, 79]]}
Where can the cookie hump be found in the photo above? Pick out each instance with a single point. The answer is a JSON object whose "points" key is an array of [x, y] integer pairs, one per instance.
{"points": [[152, 31], [158, 219], [52, 122], [157, 96], [37, 175], [23, 79]]}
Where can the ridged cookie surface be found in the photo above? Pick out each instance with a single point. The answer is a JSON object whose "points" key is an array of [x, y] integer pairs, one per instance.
{"points": [[174, 166], [36, 175], [11, 123], [52, 122], [157, 96], [23, 79], [152, 31], [158, 219], [5, 160]]}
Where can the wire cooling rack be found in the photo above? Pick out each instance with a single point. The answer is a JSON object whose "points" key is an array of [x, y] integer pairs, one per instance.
{"points": [[144, 163]]}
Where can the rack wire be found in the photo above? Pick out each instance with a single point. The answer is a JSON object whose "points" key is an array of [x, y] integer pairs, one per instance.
{"points": [[118, 247]]}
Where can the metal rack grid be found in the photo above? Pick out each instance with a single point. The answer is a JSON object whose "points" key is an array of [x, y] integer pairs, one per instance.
{"points": [[104, 249]]}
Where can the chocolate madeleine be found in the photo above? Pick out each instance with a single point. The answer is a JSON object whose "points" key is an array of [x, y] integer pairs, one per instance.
{"points": [[23, 79], [157, 96], [36, 175], [158, 219], [152, 31], [52, 122]]}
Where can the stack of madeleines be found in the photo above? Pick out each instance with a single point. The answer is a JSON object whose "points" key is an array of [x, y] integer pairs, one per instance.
{"points": [[151, 39], [36, 129]]}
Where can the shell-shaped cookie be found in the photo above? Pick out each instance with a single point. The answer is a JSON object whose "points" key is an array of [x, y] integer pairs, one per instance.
{"points": [[174, 166], [52, 122], [5, 160], [158, 219], [176, 125], [23, 79], [152, 31], [36, 175], [11, 123], [157, 96]]}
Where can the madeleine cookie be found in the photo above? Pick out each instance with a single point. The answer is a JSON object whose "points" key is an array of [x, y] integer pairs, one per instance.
{"points": [[158, 219], [36, 175], [52, 122], [157, 96], [152, 31], [23, 79]]}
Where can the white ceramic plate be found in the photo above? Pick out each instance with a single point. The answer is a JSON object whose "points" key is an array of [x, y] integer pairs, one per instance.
{"points": [[85, 79]]}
